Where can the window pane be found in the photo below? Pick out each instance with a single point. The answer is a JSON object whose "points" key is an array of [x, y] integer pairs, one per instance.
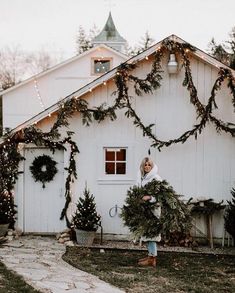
{"points": [[110, 168], [121, 168], [121, 155], [109, 155], [101, 66]]}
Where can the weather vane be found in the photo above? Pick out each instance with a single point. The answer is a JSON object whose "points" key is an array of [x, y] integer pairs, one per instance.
{"points": [[110, 4]]}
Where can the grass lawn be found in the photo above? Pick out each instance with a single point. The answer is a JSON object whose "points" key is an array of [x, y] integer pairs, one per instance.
{"points": [[175, 272], [12, 283]]}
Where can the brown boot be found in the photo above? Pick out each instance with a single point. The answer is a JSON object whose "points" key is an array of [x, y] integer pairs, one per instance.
{"points": [[143, 259], [149, 261]]}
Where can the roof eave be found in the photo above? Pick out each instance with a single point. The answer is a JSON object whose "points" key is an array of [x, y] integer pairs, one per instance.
{"points": [[45, 72], [109, 75]]}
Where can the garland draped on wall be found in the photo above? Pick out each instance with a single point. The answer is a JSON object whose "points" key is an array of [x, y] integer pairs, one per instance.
{"points": [[9, 152]]}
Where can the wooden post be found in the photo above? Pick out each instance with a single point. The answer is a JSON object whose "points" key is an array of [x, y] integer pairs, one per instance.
{"points": [[209, 230]]}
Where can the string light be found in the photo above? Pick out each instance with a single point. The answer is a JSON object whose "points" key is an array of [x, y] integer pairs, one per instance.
{"points": [[38, 94]]}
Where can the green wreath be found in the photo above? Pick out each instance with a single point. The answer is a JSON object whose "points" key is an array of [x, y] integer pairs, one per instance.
{"points": [[38, 172], [138, 215]]}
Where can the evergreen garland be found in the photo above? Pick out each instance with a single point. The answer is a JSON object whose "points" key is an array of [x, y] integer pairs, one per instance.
{"points": [[86, 217], [203, 112], [229, 216], [43, 175], [138, 217]]}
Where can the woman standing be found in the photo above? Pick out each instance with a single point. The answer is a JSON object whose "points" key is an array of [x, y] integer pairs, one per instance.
{"points": [[148, 172]]}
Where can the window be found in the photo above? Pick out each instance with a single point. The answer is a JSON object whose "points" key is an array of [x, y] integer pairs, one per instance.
{"points": [[115, 161], [101, 65]]}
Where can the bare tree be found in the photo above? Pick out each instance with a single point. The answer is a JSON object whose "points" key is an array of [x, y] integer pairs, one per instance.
{"points": [[17, 65], [145, 42], [41, 60], [224, 52], [12, 66]]}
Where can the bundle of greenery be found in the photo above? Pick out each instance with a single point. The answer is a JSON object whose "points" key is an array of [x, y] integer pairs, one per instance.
{"points": [[229, 216], [138, 216]]}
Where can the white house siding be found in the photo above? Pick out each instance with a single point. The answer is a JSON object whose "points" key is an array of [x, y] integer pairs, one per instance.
{"points": [[22, 103], [202, 167]]}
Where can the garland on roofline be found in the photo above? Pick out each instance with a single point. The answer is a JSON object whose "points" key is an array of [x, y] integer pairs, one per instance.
{"points": [[10, 155], [203, 112]]}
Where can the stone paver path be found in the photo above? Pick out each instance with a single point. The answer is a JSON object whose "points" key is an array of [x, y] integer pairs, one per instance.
{"points": [[38, 260]]}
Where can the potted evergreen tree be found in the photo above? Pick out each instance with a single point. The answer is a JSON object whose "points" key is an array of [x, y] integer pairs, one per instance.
{"points": [[7, 211], [86, 220], [229, 217]]}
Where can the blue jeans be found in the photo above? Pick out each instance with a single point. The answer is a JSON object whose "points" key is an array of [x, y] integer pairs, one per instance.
{"points": [[152, 248]]}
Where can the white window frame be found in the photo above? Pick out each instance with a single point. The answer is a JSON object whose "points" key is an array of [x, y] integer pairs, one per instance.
{"points": [[93, 59], [114, 149], [123, 179]]}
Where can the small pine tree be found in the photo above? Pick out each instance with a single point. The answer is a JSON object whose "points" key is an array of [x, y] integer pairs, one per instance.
{"points": [[86, 217], [229, 216], [7, 209]]}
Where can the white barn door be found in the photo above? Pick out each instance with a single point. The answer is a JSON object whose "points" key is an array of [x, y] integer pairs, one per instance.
{"points": [[42, 206]]}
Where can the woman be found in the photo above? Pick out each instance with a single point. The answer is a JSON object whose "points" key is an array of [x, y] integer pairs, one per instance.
{"points": [[147, 173]]}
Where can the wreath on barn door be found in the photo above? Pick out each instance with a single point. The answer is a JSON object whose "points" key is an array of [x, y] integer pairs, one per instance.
{"points": [[43, 169]]}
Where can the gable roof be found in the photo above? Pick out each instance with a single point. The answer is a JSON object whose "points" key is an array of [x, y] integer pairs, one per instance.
{"points": [[57, 66], [110, 74], [109, 33]]}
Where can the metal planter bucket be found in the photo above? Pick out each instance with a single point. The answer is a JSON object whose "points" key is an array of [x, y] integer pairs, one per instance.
{"points": [[3, 229], [85, 238]]}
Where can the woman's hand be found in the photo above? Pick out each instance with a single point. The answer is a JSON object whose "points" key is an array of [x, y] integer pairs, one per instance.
{"points": [[146, 197]]}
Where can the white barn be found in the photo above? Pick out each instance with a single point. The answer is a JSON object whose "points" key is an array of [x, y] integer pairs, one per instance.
{"points": [[110, 151], [32, 96]]}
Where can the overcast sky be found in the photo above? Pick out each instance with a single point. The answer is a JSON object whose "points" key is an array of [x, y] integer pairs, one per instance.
{"points": [[53, 24]]}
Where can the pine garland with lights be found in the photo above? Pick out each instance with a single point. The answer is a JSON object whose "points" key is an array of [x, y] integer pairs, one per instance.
{"points": [[10, 157], [86, 217], [203, 112], [138, 215]]}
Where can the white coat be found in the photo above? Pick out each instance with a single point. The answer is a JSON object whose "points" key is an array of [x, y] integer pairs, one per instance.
{"points": [[142, 181]]}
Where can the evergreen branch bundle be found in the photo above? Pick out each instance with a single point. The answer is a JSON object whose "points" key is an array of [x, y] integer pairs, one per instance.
{"points": [[229, 216], [138, 215], [209, 207]]}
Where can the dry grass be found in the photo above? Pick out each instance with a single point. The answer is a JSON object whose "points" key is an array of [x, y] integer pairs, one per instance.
{"points": [[176, 272], [12, 283]]}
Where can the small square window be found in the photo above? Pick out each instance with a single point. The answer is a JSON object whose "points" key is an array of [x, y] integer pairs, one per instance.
{"points": [[101, 66], [115, 161]]}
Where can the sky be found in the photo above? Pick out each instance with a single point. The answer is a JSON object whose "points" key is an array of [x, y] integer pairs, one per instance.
{"points": [[53, 24]]}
